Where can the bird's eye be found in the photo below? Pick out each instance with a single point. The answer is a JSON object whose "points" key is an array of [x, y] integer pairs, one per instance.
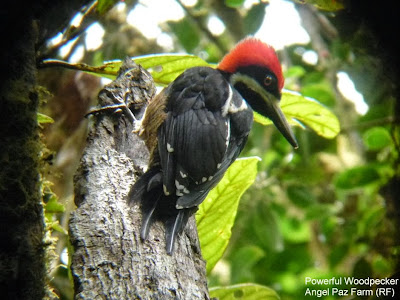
{"points": [[268, 80]]}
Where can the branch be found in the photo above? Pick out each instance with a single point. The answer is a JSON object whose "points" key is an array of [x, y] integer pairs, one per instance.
{"points": [[110, 261]]}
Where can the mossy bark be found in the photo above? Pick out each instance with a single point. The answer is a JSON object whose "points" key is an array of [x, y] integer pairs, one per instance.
{"points": [[22, 263]]}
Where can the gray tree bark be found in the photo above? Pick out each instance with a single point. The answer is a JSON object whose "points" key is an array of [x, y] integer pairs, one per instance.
{"points": [[110, 261]]}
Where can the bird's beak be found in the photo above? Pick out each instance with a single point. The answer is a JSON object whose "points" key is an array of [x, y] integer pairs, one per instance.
{"points": [[264, 103], [278, 118]]}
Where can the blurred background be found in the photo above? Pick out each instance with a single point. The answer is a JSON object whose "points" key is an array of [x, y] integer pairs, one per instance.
{"points": [[328, 209]]}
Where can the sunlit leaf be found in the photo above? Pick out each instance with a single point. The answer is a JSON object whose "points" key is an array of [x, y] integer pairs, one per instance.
{"points": [[247, 291], [295, 231], [165, 68], [53, 206], [55, 225], [308, 112], [42, 119], [217, 213]]}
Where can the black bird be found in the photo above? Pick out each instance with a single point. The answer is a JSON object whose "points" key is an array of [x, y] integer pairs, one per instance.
{"points": [[198, 125]]}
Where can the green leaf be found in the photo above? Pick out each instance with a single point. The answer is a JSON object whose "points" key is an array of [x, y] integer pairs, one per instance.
{"points": [[307, 111], [249, 291], [234, 3], [42, 119], [53, 206], [186, 32], [295, 72], [243, 260], [55, 225], [300, 195], [295, 231], [217, 213], [254, 18], [321, 91], [264, 228], [357, 177], [377, 138], [163, 67]]}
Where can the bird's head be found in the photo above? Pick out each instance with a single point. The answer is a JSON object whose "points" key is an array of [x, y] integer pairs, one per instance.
{"points": [[254, 70]]}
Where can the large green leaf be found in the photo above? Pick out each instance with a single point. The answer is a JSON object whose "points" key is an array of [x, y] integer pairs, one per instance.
{"points": [[217, 213], [163, 67], [248, 291], [307, 111]]}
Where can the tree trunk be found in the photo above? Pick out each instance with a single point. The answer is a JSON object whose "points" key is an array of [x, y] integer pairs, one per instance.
{"points": [[22, 263], [110, 261], [23, 29]]}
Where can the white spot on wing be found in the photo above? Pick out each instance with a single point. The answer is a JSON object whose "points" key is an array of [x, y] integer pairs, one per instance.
{"points": [[234, 109], [178, 185], [169, 148], [166, 193], [180, 189]]}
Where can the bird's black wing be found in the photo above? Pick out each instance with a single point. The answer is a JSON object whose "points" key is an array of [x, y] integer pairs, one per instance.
{"points": [[196, 141], [205, 129]]}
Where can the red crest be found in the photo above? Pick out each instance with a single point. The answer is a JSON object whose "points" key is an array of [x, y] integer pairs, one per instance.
{"points": [[252, 51]]}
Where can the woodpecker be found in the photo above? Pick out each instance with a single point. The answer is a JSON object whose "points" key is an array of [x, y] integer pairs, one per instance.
{"points": [[196, 128]]}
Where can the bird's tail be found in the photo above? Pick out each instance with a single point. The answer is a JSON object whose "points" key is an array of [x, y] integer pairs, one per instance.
{"points": [[156, 206]]}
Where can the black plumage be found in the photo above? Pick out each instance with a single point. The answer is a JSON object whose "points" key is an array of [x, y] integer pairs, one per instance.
{"points": [[206, 124]]}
